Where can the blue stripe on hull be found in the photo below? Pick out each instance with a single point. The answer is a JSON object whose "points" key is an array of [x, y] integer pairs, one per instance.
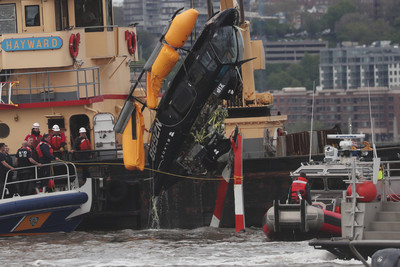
{"points": [[55, 208], [50, 201]]}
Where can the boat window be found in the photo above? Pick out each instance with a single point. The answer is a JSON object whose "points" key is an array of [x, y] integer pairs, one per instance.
{"points": [[316, 183], [225, 45], [312, 171], [88, 14], [32, 16], [337, 183], [61, 12], [337, 171], [109, 14], [8, 19], [59, 121], [4, 130]]}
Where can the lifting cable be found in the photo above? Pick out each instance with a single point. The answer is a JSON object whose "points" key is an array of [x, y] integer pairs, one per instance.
{"points": [[166, 173]]}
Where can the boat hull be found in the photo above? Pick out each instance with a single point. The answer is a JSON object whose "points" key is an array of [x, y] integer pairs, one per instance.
{"points": [[44, 212]]}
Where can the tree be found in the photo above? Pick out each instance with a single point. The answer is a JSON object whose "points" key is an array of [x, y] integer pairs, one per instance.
{"points": [[359, 28], [335, 13], [277, 81], [310, 65], [311, 24]]}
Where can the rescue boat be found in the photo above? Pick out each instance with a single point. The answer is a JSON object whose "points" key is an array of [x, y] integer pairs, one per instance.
{"points": [[59, 206], [327, 181]]}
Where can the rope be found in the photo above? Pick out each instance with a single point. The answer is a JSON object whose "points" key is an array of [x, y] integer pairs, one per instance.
{"points": [[167, 173]]}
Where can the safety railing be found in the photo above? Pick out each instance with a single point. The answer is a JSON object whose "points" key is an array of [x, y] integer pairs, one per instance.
{"points": [[46, 86], [388, 185], [64, 176]]}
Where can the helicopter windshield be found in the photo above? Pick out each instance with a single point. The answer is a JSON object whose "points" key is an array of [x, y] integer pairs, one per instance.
{"points": [[225, 44]]}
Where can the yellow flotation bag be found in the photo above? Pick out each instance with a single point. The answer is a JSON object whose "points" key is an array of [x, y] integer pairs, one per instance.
{"points": [[132, 144], [163, 65], [181, 27]]}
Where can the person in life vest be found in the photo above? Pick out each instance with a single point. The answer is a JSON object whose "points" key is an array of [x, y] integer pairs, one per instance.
{"points": [[32, 149], [57, 141], [45, 154], [82, 144], [299, 188], [35, 134], [23, 158]]}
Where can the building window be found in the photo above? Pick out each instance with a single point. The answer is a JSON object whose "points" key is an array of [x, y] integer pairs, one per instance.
{"points": [[32, 16]]}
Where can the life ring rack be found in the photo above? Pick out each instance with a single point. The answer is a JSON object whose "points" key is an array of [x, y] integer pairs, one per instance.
{"points": [[74, 41], [130, 38]]}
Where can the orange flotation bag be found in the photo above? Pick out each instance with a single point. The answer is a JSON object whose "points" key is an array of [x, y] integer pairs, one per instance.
{"points": [[162, 66], [132, 141], [181, 27]]}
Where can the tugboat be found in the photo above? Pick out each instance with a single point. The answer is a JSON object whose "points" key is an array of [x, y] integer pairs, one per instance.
{"points": [[64, 63], [327, 180]]}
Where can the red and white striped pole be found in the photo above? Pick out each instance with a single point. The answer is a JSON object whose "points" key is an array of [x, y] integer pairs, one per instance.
{"points": [[238, 183], [219, 204]]}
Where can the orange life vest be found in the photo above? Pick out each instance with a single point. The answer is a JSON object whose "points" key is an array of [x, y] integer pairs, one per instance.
{"points": [[57, 140], [298, 186], [39, 150], [85, 144]]}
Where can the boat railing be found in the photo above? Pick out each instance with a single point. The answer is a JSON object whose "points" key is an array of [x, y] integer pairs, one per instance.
{"points": [[63, 174], [45, 86], [389, 184], [388, 187]]}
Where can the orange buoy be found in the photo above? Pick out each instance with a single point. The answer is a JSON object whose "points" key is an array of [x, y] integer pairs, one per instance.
{"points": [[132, 144], [162, 66], [181, 27], [366, 189]]}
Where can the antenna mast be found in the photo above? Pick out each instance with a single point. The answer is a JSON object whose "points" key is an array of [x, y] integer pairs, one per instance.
{"points": [[312, 120]]}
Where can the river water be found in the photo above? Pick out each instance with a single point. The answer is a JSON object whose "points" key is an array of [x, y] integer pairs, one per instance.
{"points": [[199, 247]]}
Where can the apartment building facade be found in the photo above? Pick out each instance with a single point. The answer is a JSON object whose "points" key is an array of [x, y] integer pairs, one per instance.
{"points": [[351, 67], [339, 106]]}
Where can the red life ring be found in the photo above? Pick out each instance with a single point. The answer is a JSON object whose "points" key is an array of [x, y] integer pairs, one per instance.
{"points": [[130, 38], [74, 41]]}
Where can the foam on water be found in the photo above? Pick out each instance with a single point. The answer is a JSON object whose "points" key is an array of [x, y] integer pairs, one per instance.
{"points": [[199, 247]]}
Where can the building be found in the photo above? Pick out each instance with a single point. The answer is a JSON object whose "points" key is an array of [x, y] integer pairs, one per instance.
{"points": [[351, 67], [339, 106], [154, 15], [292, 51]]}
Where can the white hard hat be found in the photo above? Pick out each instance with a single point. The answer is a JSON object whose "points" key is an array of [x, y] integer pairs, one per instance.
{"points": [[82, 130], [55, 128], [36, 125]]}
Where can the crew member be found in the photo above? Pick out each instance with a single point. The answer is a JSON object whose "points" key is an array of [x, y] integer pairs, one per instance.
{"points": [[300, 186], [32, 149], [57, 141], [45, 153], [81, 144], [35, 133], [23, 158], [4, 166]]}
